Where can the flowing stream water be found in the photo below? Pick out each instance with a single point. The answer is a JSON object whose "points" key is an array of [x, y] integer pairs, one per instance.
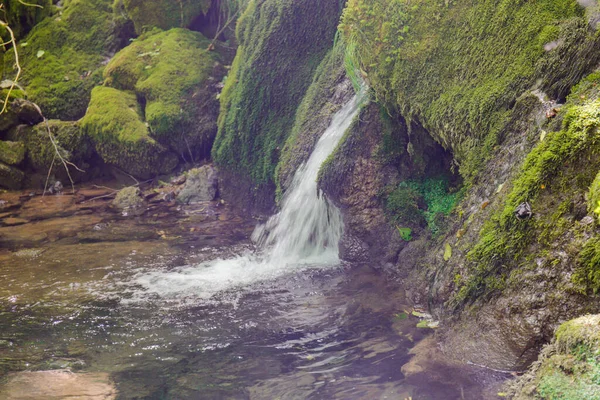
{"points": [[185, 307]]}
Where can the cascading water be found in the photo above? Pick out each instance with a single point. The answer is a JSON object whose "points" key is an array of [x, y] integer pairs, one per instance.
{"points": [[304, 234]]}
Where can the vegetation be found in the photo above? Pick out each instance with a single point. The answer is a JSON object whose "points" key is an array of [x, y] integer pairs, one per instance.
{"points": [[163, 14], [268, 81], [63, 56], [114, 124], [554, 167], [458, 66], [169, 71]]}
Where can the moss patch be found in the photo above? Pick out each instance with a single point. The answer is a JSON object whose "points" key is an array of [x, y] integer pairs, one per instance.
{"points": [[114, 123], [458, 66], [63, 57], [11, 153], [21, 18], [164, 14], [171, 73], [281, 43]]}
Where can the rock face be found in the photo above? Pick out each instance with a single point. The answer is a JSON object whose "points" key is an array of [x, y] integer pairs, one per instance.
{"points": [[201, 185], [11, 177], [264, 88], [59, 384]]}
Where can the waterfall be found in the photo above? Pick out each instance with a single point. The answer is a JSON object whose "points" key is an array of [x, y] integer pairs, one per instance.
{"points": [[304, 234], [308, 228]]}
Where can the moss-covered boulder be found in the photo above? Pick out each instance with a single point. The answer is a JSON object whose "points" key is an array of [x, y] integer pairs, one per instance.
{"points": [[62, 57], [568, 368], [11, 177], [115, 125], [72, 145], [12, 153], [128, 198], [164, 14], [281, 43], [175, 78], [21, 16]]}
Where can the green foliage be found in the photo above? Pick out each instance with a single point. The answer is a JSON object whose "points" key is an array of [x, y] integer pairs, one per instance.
{"points": [[164, 14], [458, 66], [402, 204], [281, 43], [588, 271], [74, 44], [114, 123], [405, 233], [168, 69]]}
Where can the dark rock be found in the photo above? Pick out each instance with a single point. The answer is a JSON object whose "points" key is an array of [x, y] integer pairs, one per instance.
{"points": [[11, 177], [201, 185], [523, 211]]}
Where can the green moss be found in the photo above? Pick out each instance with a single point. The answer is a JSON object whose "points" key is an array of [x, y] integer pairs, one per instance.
{"points": [[402, 205], [11, 153], [10, 177], [164, 14], [594, 196], [21, 18], [281, 43], [458, 66], [72, 143], [114, 123], [74, 43], [588, 271], [315, 111], [563, 164], [170, 72]]}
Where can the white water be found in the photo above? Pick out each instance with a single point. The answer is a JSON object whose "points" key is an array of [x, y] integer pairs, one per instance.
{"points": [[305, 234]]}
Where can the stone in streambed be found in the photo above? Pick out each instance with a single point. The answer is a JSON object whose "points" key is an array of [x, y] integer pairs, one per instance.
{"points": [[59, 384], [128, 199], [201, 185]]}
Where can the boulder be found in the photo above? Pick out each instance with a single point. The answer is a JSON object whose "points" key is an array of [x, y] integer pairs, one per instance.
{"points": [[115, 125], [12, 153], [128, 199], [164, 14], [11, 177], [201, 185]]}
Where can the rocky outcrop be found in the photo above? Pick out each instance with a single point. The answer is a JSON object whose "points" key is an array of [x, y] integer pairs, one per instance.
{"points": [[281, 43], [164, 14], [200, 185]]}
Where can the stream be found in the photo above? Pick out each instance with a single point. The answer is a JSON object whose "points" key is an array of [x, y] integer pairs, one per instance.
{"points": [[197, 302]]}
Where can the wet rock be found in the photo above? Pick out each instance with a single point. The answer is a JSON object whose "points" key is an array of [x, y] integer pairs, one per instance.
{"points": [[128, 199], [12, 153], [353, 249], [10, 177], [523, 211], [27, 111], [14, 221], [56, 188], [60, 384], [201, 185]]}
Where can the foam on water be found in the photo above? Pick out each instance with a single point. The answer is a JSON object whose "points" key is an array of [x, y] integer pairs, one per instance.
{"points": [[304, 234]]}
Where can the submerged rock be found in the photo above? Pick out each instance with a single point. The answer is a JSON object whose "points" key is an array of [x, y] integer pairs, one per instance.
{"points": [[201, 185], [58, 384]]}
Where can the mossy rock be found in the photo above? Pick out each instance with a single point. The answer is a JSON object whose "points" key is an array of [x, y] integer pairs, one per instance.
{"points": [[73, 145], [22, 17], [128, 198], [594, 196], [12, 153], [164, 14], [11, 177], [114, 123], [62, 57], [459, 66], [175, 77], [281, 43]]}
